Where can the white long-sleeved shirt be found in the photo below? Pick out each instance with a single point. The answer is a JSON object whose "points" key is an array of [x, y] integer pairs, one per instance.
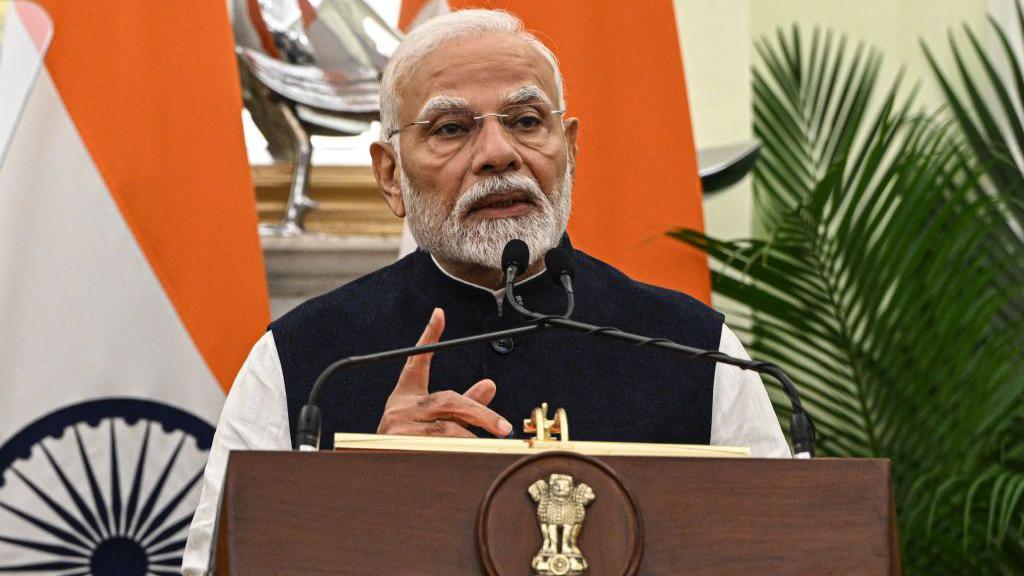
{"points": [[255, 417]]}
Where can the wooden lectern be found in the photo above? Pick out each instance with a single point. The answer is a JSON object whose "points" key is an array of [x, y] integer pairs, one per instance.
{"points": [[384, 512]]}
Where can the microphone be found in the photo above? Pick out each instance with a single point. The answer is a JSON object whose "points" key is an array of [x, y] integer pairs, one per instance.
{"points": [[515, 259], [562, 271], [560, 268]]}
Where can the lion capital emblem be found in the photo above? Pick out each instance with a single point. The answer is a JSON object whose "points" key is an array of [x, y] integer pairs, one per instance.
{"points": [[561, 506]]}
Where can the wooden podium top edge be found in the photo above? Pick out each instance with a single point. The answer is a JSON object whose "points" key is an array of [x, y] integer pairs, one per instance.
{"points": [[347, 441]]}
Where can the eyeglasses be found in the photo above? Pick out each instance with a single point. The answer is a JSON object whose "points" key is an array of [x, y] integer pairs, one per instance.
{"points": [[446, 131]]}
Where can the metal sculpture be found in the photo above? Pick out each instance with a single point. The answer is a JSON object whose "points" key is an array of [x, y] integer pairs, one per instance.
{"points": [[309, 68]]}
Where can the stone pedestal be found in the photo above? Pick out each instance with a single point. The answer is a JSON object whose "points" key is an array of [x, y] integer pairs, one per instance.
{"points": [[301, 267]]}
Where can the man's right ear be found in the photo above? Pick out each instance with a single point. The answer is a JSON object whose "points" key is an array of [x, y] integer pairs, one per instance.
{"points": [[387, 173]]}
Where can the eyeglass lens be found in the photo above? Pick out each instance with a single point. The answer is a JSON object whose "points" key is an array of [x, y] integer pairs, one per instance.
{"points": [[447, 131]]}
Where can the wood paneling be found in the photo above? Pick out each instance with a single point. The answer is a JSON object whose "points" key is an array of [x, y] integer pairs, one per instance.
{"points": [[350, 204], [415, 513]]}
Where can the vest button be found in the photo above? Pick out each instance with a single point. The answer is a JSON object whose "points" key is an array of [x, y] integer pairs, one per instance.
{"points": [[502, 345]]}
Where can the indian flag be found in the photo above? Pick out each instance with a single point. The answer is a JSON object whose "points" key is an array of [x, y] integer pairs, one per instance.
{"points": [[131, 278]]}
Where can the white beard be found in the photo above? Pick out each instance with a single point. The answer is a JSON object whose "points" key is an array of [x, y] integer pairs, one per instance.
{"points": [[442, 230]]}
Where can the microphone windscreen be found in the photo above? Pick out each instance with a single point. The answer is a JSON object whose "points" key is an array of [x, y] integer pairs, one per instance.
{"points": [[558, 261], [516, 253]]}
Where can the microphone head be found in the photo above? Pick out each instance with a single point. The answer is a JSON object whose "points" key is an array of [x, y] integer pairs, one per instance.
{"points": [[558, 261], [516, 253]]}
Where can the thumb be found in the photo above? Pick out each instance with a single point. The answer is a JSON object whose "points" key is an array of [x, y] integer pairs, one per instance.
{"points": [[415, 375]]}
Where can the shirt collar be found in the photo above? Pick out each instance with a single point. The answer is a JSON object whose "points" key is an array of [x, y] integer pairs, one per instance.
{"points": [[499, 294]]}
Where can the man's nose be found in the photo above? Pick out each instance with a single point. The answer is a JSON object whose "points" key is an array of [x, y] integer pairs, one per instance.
{"points": [[494, 149]]}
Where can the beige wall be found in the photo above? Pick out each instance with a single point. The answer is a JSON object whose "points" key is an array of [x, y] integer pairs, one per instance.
{"points": [[717, 38], [896, 27]]}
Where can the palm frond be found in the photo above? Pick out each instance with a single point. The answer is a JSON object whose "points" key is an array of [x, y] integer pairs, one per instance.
{"points": [[879, 284], [994, 132], [993, 128]]}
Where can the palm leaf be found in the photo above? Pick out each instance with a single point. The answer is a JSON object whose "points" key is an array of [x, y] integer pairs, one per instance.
{"points": [[879, 282], [995, 133], [994, 130]]}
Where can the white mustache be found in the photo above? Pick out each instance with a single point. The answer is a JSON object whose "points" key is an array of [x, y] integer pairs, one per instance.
{"points": [[504, 184]]}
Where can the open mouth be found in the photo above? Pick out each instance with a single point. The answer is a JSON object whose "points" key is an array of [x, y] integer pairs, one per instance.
{"points": [[502, 205]]}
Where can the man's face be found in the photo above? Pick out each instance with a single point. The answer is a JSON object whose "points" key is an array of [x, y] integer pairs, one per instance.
{"points": [[464, 202]]}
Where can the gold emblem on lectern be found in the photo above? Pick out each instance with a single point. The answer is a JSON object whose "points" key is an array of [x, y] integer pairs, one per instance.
{"points": [[561, 506], [544, 429]]}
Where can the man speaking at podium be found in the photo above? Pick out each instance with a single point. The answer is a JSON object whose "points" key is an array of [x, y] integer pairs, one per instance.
{"points": [[475, 151]]}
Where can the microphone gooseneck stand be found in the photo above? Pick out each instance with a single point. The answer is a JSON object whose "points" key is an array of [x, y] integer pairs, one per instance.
{"points": [[515, 260], [801, 427]]}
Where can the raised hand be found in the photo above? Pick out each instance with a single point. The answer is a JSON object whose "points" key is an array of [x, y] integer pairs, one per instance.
{"points": [[413, 410]]}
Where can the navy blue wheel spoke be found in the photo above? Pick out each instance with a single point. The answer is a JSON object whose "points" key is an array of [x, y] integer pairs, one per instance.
{"points": [[140, 467], [46, 526], [83, 508], [115, 481], [175, 546], [154, 494], [170, 532], [77, 521], [42, 567], [68, 519], [97, 495], [55, 549], [161, 516]]}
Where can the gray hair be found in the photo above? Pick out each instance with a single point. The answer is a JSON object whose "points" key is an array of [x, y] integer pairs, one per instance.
{"points": [[439, 31]]}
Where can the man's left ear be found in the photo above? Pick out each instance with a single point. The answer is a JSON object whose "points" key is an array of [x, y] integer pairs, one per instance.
{"points": [[572, 128], [386, 171]]}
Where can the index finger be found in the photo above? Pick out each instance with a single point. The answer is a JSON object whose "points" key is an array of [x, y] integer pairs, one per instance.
{"points": [[415, 375]]}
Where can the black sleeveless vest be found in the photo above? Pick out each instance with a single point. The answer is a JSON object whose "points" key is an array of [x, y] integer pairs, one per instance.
{"points": [[611, 390]]}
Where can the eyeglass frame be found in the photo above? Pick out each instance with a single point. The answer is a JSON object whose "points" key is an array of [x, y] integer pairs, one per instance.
{"points": [[477, 119]]}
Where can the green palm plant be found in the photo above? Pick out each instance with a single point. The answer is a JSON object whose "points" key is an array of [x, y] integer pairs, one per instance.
{"points": [[994, 132], [880, 285]]}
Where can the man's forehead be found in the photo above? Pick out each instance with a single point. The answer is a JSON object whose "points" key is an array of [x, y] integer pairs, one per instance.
{"points": [[481, 72]]}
